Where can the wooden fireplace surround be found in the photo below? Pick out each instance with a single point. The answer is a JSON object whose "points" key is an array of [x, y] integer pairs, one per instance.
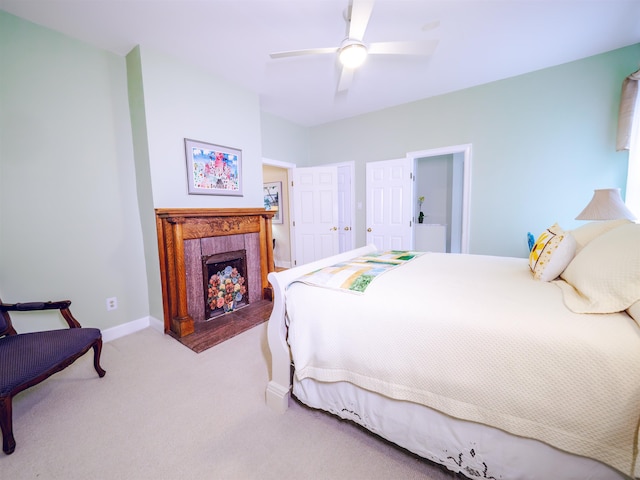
{"points": [[175, 225]]}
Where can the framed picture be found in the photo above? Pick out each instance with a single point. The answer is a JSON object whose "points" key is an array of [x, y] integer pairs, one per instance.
{"points": [[213, 169], [272, 200]]}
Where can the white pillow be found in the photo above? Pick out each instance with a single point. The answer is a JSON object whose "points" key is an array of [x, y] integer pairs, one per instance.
{"points": [[605, 276], [591, 230], [551, 253]]}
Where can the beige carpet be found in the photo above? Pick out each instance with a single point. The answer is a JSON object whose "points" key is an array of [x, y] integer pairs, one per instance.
{"points": [[165, 412]]}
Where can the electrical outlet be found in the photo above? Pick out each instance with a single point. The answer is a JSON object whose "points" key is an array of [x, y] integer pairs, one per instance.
{"points": [[112, 303]]}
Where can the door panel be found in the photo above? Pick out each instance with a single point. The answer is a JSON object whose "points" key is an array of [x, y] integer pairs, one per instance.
{"points": [[315, 215], [345, 208], [389, 207]]}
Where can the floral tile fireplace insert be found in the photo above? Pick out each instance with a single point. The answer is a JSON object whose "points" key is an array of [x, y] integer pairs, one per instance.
{"points": [[225, 283]]}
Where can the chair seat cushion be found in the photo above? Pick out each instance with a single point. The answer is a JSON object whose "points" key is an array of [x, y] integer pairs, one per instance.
{"points": [[26, 356]]}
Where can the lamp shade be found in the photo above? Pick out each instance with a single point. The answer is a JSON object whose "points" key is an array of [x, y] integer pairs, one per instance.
{"points": [[606, 204]]}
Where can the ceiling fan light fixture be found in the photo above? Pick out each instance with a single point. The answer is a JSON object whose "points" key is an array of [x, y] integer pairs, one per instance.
{"points": [[352, 54]]}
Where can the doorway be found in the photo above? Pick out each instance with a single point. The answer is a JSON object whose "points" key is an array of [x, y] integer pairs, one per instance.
{"points": [[285, 252], [443, 181], [274, 172]]}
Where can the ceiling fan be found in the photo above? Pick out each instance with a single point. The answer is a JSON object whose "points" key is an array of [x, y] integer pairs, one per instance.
{"points": [[352, 51]]}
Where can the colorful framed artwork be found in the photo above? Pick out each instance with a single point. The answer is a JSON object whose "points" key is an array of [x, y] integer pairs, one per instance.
{"points": [[213, 169], [272, 200]]}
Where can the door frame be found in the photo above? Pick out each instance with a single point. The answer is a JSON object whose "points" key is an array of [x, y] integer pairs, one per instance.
{"points": [[465, 150], [289, 167]]}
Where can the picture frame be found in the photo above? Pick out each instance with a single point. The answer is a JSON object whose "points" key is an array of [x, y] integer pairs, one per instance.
{"points": [[213, 169], [273, 200]]}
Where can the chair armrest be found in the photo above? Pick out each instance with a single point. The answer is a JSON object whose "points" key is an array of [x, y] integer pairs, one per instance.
{"points": [[62, 305], [30, 306]]}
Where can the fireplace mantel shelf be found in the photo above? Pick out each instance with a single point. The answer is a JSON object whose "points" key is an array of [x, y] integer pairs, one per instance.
{"points": [[175, 225]]}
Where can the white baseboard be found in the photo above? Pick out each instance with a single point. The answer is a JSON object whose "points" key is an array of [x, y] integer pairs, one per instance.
{"points": [[131, 327], [156, 324]]}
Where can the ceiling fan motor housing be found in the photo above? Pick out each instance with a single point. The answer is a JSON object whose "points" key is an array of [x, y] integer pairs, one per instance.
{"points": [[352, 53]]}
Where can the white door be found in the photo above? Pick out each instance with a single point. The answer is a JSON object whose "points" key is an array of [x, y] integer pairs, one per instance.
{"points": [[345, 207], [389, 206], [315, 213]]}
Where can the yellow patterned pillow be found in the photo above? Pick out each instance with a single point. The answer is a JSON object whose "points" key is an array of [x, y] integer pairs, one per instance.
{"points": [[551, 253]]}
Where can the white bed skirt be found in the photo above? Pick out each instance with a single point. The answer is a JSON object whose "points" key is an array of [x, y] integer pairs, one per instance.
{"points": [[475, 450]]}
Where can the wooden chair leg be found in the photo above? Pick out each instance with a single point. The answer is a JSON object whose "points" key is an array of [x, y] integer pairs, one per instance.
{"points": [[97, 350], [6, 424]]}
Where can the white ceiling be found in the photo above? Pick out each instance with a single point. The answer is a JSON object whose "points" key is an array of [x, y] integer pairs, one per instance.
{"points": [[479, 41]]}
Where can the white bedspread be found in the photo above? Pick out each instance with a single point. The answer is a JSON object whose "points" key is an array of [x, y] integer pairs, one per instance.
{"points": [[476, 337]]}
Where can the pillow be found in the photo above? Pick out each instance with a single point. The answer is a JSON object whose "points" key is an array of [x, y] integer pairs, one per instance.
{"points": [[591, 230], [634, 312], [605, 276], [551, 253]]}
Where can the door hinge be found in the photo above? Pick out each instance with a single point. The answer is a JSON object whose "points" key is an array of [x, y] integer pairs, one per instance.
{"points": [[411, 176], [293, 223], [292, 183]]}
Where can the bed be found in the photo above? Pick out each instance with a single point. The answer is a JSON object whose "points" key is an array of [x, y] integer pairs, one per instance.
{"points": [[494, 367]]}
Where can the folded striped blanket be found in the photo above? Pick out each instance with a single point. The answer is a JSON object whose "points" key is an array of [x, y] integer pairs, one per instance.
{"points": [[357, 274]]}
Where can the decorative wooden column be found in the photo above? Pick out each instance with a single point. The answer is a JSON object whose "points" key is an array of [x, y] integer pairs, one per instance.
{"points": [[174, 226]]}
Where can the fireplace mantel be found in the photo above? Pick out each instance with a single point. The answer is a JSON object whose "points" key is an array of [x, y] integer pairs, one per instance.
{"points": [[175, 225]]}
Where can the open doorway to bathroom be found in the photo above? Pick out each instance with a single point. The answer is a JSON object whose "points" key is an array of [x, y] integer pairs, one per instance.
{"points": [[442, 182]]}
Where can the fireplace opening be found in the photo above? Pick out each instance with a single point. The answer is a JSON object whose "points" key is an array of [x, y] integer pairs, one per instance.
{"points": [[225, 283]]}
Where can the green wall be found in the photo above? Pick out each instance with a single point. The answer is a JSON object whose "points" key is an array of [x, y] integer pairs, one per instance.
{"points": [[183, 101], [542, 142], [169, 102], [284, 141], [91, 143], [68, 207]]}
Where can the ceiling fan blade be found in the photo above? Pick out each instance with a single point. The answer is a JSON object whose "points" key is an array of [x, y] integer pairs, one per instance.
{"points": [[346, 76], [430, 25], [403, 48], [310, 51], [360, 15]]}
